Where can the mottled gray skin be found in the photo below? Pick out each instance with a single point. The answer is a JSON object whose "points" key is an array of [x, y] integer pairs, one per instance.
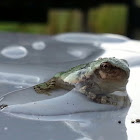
{"points": [[97, 80]]}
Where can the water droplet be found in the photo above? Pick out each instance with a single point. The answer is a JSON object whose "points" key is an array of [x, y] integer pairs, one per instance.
{"points": [[40, 45], [14, 52], [19, 87], [5, 128], [79, 53]]}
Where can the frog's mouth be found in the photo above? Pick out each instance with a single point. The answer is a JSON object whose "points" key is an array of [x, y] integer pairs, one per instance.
{"points": [[107, 71]]}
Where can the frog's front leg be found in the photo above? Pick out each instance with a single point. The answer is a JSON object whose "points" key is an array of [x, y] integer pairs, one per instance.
{"points": [[90, 95], [46, 87], [105, 99], [101, 99], [110, 99]]}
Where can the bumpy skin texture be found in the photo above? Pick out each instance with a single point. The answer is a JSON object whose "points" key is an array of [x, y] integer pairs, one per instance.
{"points": [[97, 80]]}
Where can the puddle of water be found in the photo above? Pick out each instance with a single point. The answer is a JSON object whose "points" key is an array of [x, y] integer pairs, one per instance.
{"points": [[14, 52], [40, 45]]}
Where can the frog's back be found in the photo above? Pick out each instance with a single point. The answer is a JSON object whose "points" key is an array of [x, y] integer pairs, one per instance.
{"points": [[63, 75]]}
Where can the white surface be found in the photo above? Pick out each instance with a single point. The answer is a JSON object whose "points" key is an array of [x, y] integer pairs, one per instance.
{"points": [[74, 126], [69, 103]]}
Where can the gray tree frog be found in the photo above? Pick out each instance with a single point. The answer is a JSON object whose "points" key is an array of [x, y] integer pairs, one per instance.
{"points": [[98, 80]]}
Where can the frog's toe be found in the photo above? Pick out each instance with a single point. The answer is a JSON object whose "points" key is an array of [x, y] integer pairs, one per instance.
{"points": [[3, 106], [41, 91]]}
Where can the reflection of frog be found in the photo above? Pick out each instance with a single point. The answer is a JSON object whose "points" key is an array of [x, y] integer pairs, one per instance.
{"points": [[97, 80]]}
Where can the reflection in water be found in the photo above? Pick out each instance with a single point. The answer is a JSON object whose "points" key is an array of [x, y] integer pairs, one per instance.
{"points": [[40, 45], [101, 126], [14, 52]]}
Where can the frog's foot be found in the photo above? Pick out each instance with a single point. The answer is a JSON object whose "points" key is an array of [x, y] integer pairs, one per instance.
{"points": [[91, 96], [111, 99], [46, 87], [3, 106], [98, 98], [103, 99], [116, 99]]}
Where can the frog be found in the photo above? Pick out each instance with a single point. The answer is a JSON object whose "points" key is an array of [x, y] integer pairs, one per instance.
{"points": [[102, 81]]}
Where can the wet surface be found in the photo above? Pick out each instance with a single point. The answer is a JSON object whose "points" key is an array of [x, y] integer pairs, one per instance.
{"points": [[55, 54]]}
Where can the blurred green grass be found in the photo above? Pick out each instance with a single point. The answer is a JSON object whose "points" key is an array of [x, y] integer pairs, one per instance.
{"points": [[105, 19]]}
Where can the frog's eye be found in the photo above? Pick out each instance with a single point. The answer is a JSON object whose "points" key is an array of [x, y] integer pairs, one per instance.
{"points": [[105, 65]]}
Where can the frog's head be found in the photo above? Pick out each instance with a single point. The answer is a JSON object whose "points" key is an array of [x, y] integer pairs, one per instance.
{"points": [[107, 71], [111, 73]]}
